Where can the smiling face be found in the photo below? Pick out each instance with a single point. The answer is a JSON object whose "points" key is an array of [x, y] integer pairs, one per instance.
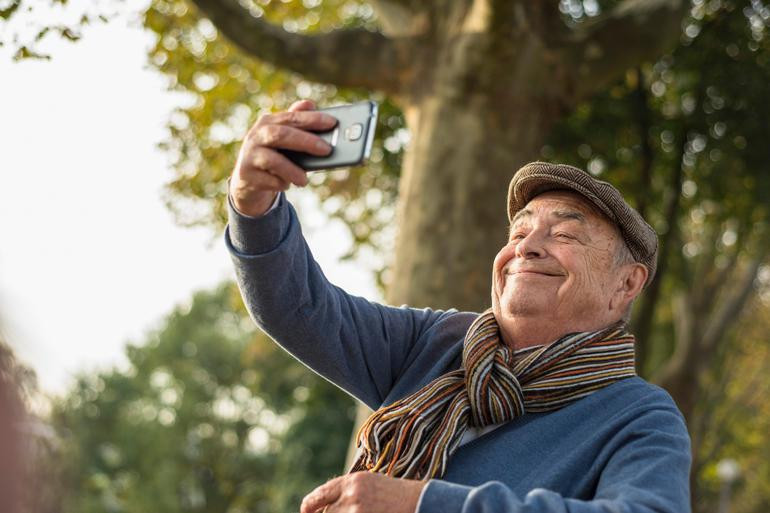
{"points": [[558, 274]]}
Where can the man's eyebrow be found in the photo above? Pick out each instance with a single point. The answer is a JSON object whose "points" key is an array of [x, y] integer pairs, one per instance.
{"points": [[525, 212], [569, 214]]}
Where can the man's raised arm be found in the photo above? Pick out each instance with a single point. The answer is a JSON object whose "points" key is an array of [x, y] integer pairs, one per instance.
{"points": [[361, 346]]}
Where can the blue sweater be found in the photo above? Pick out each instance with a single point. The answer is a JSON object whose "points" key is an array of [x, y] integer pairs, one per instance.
{"points": [[624, 448]]}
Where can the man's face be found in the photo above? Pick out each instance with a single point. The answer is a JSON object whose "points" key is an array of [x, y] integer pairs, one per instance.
{"points": [[558, 265]]}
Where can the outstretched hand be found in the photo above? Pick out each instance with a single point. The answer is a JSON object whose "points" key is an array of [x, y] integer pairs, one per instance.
{"points": [[261, 170], [364, 492]]}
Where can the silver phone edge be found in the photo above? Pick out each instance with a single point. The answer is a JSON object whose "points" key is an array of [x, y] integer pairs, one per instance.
{"points": [[370, 130]]}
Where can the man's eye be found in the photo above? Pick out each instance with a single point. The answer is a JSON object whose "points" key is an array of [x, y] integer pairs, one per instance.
{"points": [[517, 236], [563, 235]]}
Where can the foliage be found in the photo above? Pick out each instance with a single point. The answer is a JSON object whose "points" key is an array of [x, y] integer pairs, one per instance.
{"points": [[28, 24], [29, 451], [12, 377], [18, 381], [228, 90], [735, 416], [209, 415], [684, 136]]}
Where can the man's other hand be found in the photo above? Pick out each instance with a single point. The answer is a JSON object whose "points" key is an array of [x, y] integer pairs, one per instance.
{"points": [[364, 492], [261, 172]]}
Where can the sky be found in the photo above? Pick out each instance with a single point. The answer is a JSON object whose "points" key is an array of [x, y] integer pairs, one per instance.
{"points": [[90, 258]]}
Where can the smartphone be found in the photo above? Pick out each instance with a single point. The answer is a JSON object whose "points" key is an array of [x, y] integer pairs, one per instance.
{"points": [[350, 139]]}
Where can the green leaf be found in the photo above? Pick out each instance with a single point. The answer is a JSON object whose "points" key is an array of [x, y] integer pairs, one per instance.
{"points": [[7, 12], [69, 34], [25, 53]]}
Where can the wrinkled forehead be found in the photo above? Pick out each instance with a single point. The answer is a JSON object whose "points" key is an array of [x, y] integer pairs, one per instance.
{"points": [[560, 201], [568, 205]]}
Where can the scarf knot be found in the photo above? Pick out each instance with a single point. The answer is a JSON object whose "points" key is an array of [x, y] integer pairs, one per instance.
{"points": [[494, 392]]}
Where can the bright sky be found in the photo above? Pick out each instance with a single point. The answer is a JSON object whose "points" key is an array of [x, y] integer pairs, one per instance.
{"points": [[89, 257]]}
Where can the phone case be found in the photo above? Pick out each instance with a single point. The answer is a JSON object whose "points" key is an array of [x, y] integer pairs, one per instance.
{"points": [[351, 139]]}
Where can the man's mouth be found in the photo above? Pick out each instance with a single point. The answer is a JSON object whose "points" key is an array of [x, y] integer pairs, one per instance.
{"points": [[533, 271]]}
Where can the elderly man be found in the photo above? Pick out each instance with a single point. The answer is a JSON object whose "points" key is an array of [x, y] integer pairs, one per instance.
{"points": [[531, 406]]}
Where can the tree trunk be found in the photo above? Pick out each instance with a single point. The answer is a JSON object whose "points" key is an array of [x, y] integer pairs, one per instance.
{"points": [[452, 221]]}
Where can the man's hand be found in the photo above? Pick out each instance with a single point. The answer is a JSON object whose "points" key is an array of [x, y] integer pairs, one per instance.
{"points": [[364, 492], [261, 171]]}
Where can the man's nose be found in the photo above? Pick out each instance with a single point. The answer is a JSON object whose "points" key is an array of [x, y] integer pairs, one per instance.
{"points": [[531, 246]]}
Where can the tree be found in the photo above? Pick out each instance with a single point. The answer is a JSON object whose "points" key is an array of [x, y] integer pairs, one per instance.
{"points": [[29, 459], [677, 134], [733, 421], [12, 382], [208, 416], [32, 24]]}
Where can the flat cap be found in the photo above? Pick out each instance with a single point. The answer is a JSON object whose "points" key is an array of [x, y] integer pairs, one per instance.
{"points": [[538, 177]]}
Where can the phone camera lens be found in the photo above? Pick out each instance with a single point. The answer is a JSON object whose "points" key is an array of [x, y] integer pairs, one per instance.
{"points": [[354, 131]]}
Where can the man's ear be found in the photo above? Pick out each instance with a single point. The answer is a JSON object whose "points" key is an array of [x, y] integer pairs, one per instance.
{"points": [[632, 280]]}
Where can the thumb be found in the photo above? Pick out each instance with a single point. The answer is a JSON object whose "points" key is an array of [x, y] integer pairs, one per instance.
{"points": [[322, 496]]}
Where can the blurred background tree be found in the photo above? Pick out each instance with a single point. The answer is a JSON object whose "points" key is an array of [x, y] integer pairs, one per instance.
{"points": [[12, 413], [30, 462], [208, 415], [470, 90]]}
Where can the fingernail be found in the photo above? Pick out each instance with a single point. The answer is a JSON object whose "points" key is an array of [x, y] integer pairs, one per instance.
{"points": [[331, 120], [323, 146]]}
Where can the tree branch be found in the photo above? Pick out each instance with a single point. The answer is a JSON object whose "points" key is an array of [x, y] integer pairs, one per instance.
{"points": [[642, 112], [635, 31], [701, 291], [540, 18], [402, 17], [715, 278], [644, 318], [729, 311], [697, 342], [348, 58]]}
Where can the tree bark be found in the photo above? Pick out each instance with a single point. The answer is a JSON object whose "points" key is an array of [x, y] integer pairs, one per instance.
{"points": [[347, 58]]}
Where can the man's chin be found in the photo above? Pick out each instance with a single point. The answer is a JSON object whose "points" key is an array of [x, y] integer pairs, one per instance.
{"points": [[524, 306]]}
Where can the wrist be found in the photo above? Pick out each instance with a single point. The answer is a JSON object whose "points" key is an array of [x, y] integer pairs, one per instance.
{"points": [[256, 206]]}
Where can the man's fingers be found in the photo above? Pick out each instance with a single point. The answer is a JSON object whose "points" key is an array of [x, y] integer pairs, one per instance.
{"points": [[270, 182], [278, 165], [302, 105], [304, 119], [322, 496], [289, 138]]}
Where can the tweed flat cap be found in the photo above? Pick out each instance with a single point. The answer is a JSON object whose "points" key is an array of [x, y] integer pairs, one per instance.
{"points": [[538, 177]]}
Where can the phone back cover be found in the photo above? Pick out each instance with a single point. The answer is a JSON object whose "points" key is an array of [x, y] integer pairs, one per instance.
{"points": [[346, 152]]}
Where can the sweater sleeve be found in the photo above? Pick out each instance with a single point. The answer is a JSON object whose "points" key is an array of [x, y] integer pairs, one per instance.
{"points": [[647, 472], [359, 345]]}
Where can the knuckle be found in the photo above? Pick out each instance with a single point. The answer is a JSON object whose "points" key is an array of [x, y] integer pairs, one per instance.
{"points": [[290, 118], [262, 159], [268, 181], [263, 119], [356, 484], [271, 134], [359, 477]]}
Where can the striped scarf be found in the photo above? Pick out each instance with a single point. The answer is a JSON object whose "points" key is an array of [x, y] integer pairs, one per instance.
{"points": [[415, 436]]}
